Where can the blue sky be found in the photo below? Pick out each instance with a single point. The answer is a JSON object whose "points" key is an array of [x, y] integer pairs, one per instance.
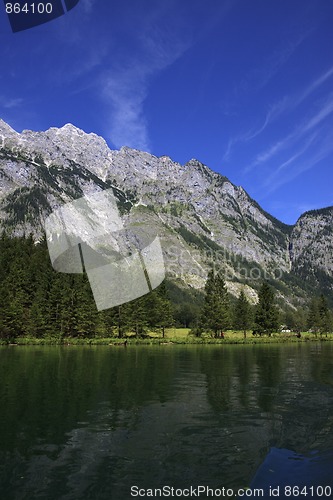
{"points": [[245, 86]]}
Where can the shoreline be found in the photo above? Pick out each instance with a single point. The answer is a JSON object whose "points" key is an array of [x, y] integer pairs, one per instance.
{"points": [[231, 339]]}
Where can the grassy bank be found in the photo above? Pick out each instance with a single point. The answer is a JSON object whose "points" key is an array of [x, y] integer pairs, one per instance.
{"points": [[172, 336]]}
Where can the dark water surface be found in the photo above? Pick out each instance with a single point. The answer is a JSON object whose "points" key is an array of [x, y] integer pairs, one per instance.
{"points": [[90, 422]]}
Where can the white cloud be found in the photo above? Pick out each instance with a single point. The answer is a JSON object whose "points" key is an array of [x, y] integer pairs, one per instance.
{"points": [[230, 145], [125, 93], [297, 134], [244, 137], [257, 78], [9, 103], [126, 86], [323, 113], [273, 112], [274, 180], [286, 104], [277, 60], [313, 86], [297, 168]]}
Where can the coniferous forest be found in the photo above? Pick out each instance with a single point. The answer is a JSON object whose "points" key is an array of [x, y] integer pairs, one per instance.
{"points": [[36, 301]]}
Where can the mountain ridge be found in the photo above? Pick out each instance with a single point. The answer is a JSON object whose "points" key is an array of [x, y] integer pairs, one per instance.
{"points": [[199, 212]]}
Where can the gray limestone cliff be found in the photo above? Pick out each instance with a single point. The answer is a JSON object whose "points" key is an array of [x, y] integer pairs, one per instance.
{"points": [[201, 218]]}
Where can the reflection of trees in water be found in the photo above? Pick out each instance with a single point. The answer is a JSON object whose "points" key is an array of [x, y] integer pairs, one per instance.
{"points": [[159, 414], [322, 364], [241, 377], [218, 366], [49, 390], [244, 367], [284, 390], [269, 367], [307, 399]]}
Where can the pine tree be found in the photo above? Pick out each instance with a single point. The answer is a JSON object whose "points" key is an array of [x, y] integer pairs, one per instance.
{"points": [[313, 319], [324, 315], [108, 322], [266, 317], [122, 319], [39, 323], [85, 308], [136, 316], [300, 320], [242, 313], [215, 315], [164, 308], [295, 320]]}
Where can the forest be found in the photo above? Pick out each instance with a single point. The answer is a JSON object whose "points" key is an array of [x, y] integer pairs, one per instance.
{"points": [[36, 301]]}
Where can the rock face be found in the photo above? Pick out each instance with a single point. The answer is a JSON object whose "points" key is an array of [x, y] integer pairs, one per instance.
{"points": [[201, 218], [311, 246]]}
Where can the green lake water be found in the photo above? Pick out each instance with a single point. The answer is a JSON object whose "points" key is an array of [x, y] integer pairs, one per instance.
{"points": [[90, 422]]}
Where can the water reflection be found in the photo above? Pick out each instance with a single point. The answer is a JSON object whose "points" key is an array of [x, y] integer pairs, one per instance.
{"points": [[89, 422]]}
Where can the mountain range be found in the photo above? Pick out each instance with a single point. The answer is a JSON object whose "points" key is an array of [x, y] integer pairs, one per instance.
{"points": [[200, 216]]}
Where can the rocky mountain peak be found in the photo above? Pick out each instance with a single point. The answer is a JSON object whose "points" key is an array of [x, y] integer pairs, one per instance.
{"points": [[202, 218], [6, 131], [312, 240], [69, 127]]}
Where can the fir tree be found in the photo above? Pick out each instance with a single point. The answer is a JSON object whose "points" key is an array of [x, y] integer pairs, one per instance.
{"points": [[295, 319], [164, 310], [38, 301], [137, 316], [215, 315], [242, 313], [108, 322], [86, 312], [313, 319], [266, 317], [324, 315]]}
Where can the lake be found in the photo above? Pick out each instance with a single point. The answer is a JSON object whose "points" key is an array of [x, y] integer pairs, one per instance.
{"points": [[113, 423]]}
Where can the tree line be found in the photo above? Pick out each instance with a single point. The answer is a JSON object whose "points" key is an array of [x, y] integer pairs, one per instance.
{"points": [[37, 301], [220, 314]]}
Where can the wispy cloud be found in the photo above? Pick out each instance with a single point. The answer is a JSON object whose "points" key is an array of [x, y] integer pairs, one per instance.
{"points": [[126, 86], [125, 92], [277, 60], [297, 134], [298, 165], [274, 149], [9, 103], [273, 112], [289, 103], [312, 87], [257, 78], [272, 180], [285, 105], [160, 36], [322, 114]]}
